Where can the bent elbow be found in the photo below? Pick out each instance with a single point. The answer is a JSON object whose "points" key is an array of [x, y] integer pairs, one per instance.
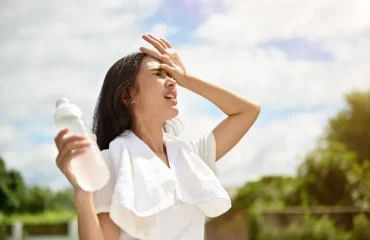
{"points": [[258, 108]]}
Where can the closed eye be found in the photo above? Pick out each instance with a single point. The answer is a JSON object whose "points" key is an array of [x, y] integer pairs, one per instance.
{"points": [[161, 73]]}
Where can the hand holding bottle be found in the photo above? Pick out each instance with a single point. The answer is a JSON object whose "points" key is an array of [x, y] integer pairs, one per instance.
{"points": [[79, 156], [70, 147]]}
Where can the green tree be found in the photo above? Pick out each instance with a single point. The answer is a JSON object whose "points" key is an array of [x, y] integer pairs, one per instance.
{"points": [[63, 199], [361, 228], [11, 189], [37, 199], [337, 173], [351, 125], [16, 197], [267, 192], [326, 175]]}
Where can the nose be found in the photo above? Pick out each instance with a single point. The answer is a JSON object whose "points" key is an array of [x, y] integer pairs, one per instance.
{"points": [[170, 83]]}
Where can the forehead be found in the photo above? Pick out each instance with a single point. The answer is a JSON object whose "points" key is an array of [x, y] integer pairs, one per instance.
{"points": [[150, 63]]}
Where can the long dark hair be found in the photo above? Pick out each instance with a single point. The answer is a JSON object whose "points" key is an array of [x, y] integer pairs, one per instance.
{"points": [[113, 113]]}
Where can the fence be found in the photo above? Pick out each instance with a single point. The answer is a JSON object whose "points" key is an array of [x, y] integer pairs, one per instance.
{"points": [[231, 225], [341, 216]]}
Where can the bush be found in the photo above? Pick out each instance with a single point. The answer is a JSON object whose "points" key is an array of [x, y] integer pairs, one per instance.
{"points": [[3, 232], [41, 218], [46, 229], [361, 228], [311, 229]]}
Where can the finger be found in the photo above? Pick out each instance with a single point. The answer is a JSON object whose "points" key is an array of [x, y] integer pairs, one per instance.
{"points": [[68, 139], [71, 155], [154, 42], [163, 44], [151, 53], [76, 153], [167, 68], [60, 136], [94, 137], [166, 42], [73, 143], [65, 155]]}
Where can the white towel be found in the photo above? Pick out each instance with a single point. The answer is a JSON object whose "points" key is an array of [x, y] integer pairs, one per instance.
{"points": [[145, 185]]}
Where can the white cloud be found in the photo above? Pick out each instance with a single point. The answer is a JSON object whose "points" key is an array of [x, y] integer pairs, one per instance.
{"points": [[56, 49], [271, 78], [64, 49], [230, 58], [250, 22], [163, 30], [274, 149]]}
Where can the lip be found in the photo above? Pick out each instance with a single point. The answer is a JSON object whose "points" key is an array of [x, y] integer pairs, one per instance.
{"points": [[172, 92], [172, 101]]}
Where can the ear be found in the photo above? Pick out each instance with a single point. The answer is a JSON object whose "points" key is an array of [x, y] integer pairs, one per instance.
{"points": [[127, 99]]}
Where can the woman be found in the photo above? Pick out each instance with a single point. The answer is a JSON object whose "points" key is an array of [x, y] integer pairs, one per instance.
{"points": [[160, 186]]}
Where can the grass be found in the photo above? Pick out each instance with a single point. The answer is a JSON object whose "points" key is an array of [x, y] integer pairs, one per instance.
{"points": [[40, 218]]}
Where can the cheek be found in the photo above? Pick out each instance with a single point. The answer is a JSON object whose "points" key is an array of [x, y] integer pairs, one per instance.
{"points": [[151, 92]]}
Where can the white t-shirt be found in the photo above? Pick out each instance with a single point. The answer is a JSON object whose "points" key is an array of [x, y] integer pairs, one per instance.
{"points": [[179, 222]]}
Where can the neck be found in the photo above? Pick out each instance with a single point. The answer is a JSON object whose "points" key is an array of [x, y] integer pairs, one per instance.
{"points": [[151, 133]]}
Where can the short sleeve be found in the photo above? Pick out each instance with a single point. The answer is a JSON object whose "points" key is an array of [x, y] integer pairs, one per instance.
{"points": [[205, 147], [103, 196]]}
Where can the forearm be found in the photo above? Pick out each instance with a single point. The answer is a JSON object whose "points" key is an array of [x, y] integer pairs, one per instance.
{"points": [[225, 100], [88, 222]]}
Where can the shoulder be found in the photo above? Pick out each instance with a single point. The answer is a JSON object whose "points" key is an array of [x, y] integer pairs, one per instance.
{"points": [[105, 154]]}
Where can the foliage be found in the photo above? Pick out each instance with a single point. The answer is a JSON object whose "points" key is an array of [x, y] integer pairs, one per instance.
{"points": [[268, 192], [326, 175], [332, 174], [335, 173], [351, 126], [311, 229], [361, 228], [39, 218], [16, 197], [11, 188], [48, 229], [3, 232], [319, 229]]}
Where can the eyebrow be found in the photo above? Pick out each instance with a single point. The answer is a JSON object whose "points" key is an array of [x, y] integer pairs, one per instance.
{"points": [[156, 69]]}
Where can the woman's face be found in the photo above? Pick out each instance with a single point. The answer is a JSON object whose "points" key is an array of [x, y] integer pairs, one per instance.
{"points": [[157, 92]]}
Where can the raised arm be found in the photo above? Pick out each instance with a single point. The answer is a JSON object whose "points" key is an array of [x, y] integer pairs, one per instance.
{"points": [[241, 112]]}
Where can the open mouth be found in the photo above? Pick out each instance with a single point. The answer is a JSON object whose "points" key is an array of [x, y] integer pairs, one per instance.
{"points": [[171, 95]]}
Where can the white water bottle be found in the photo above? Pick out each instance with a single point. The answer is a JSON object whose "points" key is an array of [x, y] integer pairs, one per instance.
{"points": [[90, 169]]}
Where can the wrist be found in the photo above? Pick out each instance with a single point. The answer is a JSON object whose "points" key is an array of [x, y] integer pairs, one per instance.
{"points": [[187, 79], [80, 195]]}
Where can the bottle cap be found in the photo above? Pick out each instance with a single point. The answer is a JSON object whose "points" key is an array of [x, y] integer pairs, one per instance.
{"points": [[65, 108], [61, 101]]}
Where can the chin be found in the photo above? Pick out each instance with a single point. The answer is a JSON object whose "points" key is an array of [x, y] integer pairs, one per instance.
{"points": [[172, 113]]}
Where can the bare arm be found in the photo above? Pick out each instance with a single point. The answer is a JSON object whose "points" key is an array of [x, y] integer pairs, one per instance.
{"points": [[241, 113], [90, 225]]}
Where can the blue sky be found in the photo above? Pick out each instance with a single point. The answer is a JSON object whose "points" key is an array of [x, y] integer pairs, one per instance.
{"points": [[300, 49], [317, 58], [186, 17]]}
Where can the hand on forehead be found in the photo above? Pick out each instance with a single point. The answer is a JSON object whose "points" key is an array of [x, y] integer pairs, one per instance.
{"points": [[152, 63]]}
